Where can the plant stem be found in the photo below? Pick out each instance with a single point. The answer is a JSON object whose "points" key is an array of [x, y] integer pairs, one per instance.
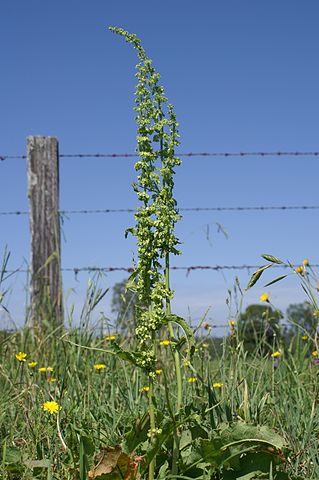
{"points": [[151, 411], [176, 355], [177, 372]]}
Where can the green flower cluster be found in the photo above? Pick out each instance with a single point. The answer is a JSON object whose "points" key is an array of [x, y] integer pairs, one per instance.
{"points": [[157, 138]]}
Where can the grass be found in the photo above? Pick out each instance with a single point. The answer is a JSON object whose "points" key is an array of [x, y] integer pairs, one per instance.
{"points": [[99, 407]]}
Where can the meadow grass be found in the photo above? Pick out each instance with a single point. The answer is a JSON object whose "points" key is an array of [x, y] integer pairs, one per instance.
{"points": [[100, 405]]}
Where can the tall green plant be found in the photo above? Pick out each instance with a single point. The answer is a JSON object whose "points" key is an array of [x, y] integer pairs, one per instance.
{"points": [[157, 137]]}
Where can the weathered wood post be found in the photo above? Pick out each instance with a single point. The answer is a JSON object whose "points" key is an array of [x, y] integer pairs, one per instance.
{"points": [[43, 193]]}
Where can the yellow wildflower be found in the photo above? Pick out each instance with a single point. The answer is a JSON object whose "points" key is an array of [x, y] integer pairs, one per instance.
{"points": [[51, 407], [218, 385], [166, 342], [21, 356], [192, 380], [186, 363], [205, 345], [305, 262], [45, 369], [51, 380], [110, 338], [158, 371], [299, 269], [264, 297], [315, 353], [305, 338], [275, 354], [99, 366], [32, 364], [144, 389]]}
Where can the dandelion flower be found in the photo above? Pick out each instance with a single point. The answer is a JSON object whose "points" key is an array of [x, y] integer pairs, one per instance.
{"points": [[110, 338], [99, 366], [315, 353], [144, 389], [299, 269], [218, 385], [51, 407], [158, 371], [305, 262], [32, 364], [264, 297], [45, 369], [166, 342], [21, 356], [51, 380], [275, 354], [192, 380], [305, 338]]}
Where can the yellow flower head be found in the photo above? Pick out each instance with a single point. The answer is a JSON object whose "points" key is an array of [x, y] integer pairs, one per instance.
{"points": [[315, 353], [218, 385], [166, 342], [186, 363], [299, 269], [232, 323], [205, 345], [45, 369], [275, 354], [51, 380], [21, 356], [32, 364], [264, 297], [305, 262], [144, 389], [305, 338], [192, 380], [99, 366], [158, 371], [110, 338], [51, 407]]}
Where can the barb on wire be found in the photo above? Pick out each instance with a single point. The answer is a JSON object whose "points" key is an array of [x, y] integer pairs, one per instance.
{"points": [[190, 209], [187, 154]]}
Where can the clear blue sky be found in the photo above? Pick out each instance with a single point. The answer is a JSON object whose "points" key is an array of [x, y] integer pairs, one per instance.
{"points": [[243, 76]]}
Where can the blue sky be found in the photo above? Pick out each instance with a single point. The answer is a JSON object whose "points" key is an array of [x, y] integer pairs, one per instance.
{"points": [[243, 76]]}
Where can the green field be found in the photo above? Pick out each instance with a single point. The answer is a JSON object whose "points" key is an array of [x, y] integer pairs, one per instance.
{"points": [[105, 407]]}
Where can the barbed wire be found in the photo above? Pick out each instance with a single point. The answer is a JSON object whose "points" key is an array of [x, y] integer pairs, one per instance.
{"points": [[187, 154], [188, 269], [190, 209]]}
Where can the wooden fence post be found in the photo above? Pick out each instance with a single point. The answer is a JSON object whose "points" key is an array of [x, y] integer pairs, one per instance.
{"points": [[43, 193]]}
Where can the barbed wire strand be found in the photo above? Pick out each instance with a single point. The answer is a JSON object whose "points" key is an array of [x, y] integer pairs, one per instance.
{"points": [[187, 154], [188, 269], [191, 209]]}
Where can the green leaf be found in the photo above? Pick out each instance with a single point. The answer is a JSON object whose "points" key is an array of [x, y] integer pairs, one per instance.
{"points": [[243, 432], [44, 463], [137, 434], [271, 258], [163, 471], [276, 280], [256, 275], [187, 330], [123, 354], [12, 455]]}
